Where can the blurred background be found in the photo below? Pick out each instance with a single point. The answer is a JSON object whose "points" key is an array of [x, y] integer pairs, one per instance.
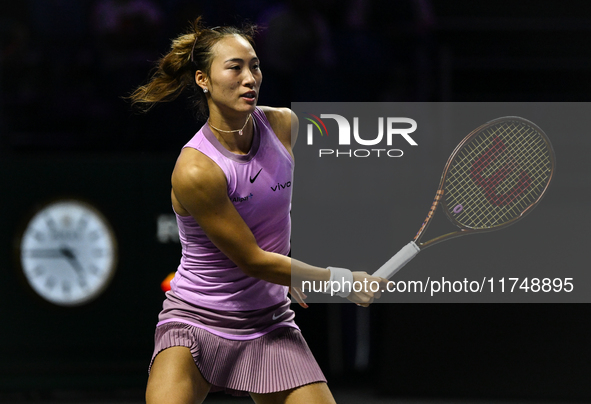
{"points": [[66, 131]]}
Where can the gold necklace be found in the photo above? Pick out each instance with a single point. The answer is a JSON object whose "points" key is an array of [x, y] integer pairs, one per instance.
{"points": [[240, 131]]}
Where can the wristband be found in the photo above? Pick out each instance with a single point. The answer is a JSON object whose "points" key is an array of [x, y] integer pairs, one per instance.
{"points": [[340, 283]]}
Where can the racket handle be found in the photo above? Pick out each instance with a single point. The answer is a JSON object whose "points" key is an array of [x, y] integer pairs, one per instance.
{"points": [[401, 258]]}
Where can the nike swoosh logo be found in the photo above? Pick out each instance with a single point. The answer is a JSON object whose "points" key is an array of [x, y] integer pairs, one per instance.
{"points": [[252, 180], [276, 317]]}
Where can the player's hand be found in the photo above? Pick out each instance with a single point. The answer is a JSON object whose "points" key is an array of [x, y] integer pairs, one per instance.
{"points": [[299, 296], [366, 285]]}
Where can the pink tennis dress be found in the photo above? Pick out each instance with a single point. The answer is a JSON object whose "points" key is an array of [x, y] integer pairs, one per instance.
{"points": [[240, 329]]}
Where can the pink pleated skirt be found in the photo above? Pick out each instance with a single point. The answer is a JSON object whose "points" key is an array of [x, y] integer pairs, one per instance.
{"points": [[277, 361]]}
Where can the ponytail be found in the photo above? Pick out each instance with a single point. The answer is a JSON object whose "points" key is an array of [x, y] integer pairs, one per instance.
{"points": [[175, 72]]}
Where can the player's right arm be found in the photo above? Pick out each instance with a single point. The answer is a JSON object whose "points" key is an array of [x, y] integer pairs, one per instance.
{"points": [[199, 189]]}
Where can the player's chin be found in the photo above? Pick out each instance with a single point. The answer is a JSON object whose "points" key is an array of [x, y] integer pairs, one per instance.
{"points": [[245, 108]]}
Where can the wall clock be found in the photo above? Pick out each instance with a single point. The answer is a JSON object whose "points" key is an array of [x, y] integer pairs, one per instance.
{"points": [[68, 252]]}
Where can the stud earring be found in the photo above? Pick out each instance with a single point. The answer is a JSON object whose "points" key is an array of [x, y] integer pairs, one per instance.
{"points": [[205, 90]]}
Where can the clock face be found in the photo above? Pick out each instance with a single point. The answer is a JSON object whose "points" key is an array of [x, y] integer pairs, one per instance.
{"points": [[68, 253]]}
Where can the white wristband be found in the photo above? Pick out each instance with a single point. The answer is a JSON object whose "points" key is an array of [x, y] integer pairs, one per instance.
{"points": [[340, 283]]}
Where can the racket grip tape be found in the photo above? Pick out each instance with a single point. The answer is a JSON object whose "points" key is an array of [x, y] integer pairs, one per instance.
{"points": [[394, 264]]}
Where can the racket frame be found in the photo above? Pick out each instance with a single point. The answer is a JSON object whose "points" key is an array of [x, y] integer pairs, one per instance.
{"points": [[440, 194]]}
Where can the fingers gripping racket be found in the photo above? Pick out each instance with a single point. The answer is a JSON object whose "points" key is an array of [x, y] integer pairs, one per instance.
{"points": [[493, 178]]}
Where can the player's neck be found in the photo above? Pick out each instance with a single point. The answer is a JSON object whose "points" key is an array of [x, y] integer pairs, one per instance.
{"points": [[234, 134]]}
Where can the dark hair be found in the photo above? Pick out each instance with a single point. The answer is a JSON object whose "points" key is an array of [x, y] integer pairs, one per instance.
{"points": [[175, 71]]}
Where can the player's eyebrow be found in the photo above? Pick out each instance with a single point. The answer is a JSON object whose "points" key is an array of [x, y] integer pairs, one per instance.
{"points": [[256, 59]]}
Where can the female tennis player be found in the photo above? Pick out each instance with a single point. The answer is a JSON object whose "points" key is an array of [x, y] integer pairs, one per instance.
{"points": [[226, 324]]}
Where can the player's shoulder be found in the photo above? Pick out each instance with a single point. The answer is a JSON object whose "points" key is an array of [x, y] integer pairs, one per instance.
{"points": [[279, 118], [284, 123], [194, 169]]}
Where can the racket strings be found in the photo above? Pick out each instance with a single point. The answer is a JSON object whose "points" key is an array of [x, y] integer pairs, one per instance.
{"points": [[489, 214], [497, 175], [494, 165]]}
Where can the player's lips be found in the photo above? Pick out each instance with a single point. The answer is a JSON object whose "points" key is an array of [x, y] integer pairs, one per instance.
{"points": [[249, 96]]}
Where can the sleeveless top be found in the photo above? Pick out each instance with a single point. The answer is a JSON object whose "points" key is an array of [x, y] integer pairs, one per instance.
{"points": [[208, 289]]}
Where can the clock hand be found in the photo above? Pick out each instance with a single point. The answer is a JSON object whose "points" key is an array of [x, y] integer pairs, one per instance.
{"points": [[45, 253], [66, 252]]}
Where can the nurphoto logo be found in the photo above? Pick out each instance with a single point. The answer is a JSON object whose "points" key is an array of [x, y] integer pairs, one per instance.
{"points": [[387, 129]]}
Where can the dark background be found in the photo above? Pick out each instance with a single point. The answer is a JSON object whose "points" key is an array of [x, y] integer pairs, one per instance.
{"points": [[65, 131]]}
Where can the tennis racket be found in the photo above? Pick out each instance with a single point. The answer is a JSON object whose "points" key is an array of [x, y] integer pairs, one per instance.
{"points": [[493, 178]]}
